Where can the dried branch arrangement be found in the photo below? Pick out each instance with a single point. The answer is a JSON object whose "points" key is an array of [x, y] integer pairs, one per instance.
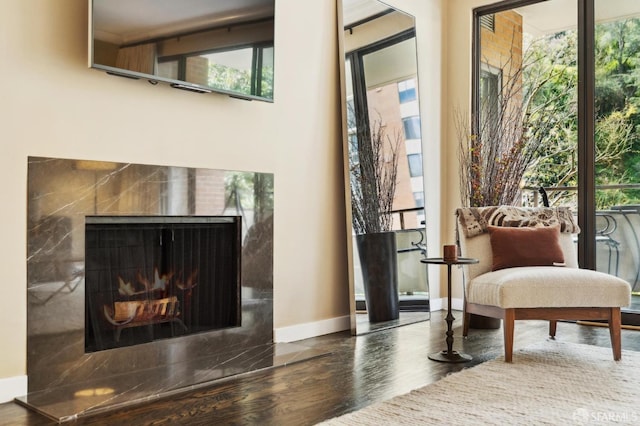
{"points": [[373, 166], [498, 143]]}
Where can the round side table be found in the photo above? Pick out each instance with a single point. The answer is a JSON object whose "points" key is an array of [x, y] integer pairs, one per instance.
{"points": [[449, 355]]}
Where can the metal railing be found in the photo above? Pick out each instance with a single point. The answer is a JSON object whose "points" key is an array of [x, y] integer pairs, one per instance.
{"points": [[402, 212], [618, 230], [536, 194]]}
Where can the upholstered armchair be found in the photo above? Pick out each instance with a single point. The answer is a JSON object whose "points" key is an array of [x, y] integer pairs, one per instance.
{"points": [[528, 269]]}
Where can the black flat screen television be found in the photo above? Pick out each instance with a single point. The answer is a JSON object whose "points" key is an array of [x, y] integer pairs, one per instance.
{"points": [[223, 46]]}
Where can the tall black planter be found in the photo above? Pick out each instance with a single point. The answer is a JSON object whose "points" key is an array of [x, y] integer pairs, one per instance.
{"points": [[379, 263]]}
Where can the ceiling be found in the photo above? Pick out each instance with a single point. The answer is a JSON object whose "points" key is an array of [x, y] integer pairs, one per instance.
{"points": [[131, 20], [357, 10], [552, 16], [546, 17], [120, 18]]}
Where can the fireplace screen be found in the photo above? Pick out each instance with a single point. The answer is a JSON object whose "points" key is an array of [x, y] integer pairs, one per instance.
{"points": [[150, 278]]}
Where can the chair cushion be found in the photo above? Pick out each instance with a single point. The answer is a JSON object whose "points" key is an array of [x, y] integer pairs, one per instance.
{"points": [[526, 246], [548, 287]]}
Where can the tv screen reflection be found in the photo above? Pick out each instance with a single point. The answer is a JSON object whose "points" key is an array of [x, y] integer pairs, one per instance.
{"points": [[199, 45]]}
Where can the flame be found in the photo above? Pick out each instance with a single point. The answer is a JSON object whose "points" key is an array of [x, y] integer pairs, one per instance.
{"points": [[125, 289], [190, 283], [159, 283]]}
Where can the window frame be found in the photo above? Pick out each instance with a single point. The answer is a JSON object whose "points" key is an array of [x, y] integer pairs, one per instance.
{"points": [[586, 112], [257, 59]]}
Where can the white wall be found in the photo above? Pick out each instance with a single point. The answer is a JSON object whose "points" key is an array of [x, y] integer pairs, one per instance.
{"points": [[52, 105], [310, 253], [456, 84]]}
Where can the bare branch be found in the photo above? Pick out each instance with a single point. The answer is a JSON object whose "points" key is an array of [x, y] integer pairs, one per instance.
{"points": [[373, 164]]}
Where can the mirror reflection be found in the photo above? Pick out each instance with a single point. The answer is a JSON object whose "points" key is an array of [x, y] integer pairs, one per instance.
{"points": [[388, 283]]}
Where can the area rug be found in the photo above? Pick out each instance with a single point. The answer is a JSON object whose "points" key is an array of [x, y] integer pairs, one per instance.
{"points": [[548, 383]]}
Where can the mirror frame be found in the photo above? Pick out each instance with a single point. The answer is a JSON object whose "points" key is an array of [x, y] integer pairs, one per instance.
{"points": [[402, 34]]}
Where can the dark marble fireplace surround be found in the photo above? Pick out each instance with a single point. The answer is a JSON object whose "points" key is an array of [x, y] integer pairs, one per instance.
{"points": [[65, 382]]}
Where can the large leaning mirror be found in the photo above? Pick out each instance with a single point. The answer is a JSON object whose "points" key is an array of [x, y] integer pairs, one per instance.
{"points": [[383, 167]]}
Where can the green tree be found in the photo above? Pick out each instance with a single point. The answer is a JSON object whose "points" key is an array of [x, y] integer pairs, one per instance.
{"points": [[237, 80], [227, 78], [551, 77]]}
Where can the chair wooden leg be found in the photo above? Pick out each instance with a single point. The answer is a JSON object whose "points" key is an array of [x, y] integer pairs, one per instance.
{"points": [[508, 326], [615, 321], [553, 325]]}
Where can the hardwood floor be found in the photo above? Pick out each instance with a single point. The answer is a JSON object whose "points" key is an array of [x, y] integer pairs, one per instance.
{"points": [[358, 372]]}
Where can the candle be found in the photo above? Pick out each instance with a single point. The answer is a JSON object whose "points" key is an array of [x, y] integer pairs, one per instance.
{"points": [[450, 252]]}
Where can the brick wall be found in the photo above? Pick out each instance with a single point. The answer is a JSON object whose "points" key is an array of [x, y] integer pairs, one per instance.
{"points": [[502, 49]]}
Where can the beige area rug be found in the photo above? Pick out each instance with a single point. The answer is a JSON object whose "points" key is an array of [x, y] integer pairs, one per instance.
{"points": [[550, 383]]}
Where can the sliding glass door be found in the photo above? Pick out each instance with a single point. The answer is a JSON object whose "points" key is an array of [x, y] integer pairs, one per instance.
{"points": [[617, 140], [561, 116]]}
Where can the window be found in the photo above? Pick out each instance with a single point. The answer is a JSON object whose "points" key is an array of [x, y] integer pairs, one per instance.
{"points": [[489, 91], [415, 164], [247, 70], [169, 69], [419, 198], [411, 127], [407, 91], [488, 22]]}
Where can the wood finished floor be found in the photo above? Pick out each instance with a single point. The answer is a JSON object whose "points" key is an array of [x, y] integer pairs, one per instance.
{"points": [[358, 372]]}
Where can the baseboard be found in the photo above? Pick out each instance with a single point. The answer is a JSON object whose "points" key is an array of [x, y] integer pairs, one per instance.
{"points": [[311, 329], [333, 325], [441, 304], [11, 387], [457, 304]]}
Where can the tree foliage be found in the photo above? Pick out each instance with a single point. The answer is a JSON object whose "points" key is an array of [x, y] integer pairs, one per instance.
{"points": [[530, 136], [551, 78], [514, 128], [238, 80]]}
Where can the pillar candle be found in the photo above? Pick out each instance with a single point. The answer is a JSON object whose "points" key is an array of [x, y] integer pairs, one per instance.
{"points": [[450, 252]]}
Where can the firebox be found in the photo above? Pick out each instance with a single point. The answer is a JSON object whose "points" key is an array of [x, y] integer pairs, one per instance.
{"points": [[158, 277]]}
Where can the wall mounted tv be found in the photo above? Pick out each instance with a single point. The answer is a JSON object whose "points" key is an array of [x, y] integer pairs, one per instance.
{"points": [[223, 46]]}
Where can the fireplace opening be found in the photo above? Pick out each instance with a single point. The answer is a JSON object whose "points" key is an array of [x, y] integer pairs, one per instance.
{"points": [[151, 278]]}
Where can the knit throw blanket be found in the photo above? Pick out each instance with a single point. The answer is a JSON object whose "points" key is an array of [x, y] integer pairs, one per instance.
{"points": [[475, 220]]}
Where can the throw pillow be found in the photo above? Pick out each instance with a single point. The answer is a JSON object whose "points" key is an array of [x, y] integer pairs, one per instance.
{"points": [[526, 246]]}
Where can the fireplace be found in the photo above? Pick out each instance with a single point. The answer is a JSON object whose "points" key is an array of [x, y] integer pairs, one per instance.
{"points": [[125, 295], [152, 278]]}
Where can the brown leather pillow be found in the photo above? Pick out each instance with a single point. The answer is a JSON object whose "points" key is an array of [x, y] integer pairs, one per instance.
{"points": [[525, 246]]}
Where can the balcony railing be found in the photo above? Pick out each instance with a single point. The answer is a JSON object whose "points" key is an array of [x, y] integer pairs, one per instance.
{"points": [[536, 194], [617, 233], [401, 213]]}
